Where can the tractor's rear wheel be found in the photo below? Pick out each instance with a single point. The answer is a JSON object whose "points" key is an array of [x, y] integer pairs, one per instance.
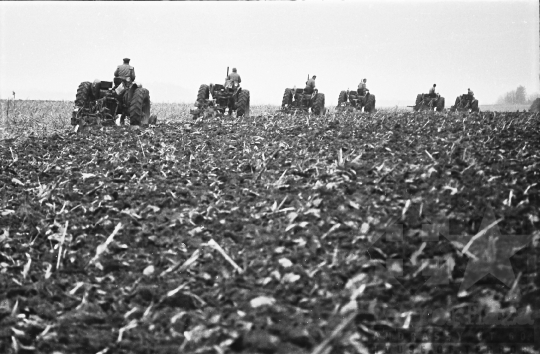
{"points": [[440, 104], [369, 107], [84, 94], [535, 106], [82, 98], [139, 107], [342, 98], [318, 105], [474, 106], [418, 103], [243, 104], [203, 93], [287, 98]]}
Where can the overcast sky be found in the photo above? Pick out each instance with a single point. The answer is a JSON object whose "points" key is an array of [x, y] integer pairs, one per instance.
{"points": [[402, 47]]}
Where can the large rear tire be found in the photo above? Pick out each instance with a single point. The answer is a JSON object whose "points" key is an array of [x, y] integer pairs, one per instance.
{"points": [[318, 105], [342, 98], [418, 103], [203, 93], [369, 107], [243, 103], [84, 94], [139, 107], [474, 106], [287, 98], [535, 106], [440, 104]]}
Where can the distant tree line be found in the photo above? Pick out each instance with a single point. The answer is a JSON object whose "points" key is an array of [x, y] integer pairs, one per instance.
{"points": [[517, 96]]}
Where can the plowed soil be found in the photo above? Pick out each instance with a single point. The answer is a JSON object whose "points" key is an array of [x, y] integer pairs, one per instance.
{"points": [[268, 234]]}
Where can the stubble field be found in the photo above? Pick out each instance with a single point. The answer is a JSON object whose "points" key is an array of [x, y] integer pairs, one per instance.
{"points": [[270, 233]]}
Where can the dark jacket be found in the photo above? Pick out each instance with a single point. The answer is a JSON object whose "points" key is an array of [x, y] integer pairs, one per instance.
{"points": [[124, 71], [234, 77]]}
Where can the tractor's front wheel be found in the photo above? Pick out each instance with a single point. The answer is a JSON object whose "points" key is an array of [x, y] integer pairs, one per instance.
{"points": [[318, 105], [139, 107], [243, 104]]}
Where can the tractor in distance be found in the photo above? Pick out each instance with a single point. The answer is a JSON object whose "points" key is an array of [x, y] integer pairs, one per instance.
{"points": [[298, 100], [430, 102], [228, 97], [99, 103], [466, 103], [351, 100]]}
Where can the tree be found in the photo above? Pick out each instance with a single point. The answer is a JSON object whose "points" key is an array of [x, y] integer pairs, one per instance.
{"points": [[517, 96], [521, 95]]}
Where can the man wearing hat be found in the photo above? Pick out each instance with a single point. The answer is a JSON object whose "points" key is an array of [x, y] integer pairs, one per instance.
{"points": [[310, 85], [123, 72]]}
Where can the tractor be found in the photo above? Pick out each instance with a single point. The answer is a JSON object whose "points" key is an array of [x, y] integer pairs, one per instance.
{"points": [[295, 100], [99, 103], [465, 103], [535, 106], [229, 96], [350, 100], [425, 101]]}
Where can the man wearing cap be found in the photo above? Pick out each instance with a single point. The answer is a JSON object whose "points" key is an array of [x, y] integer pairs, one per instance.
{"points": [[470, 94], [310, 85], [123, 72], [234, 77], [432, 92]]}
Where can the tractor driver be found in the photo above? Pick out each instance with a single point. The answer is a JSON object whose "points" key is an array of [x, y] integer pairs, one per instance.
{"points": [[470, 94], [362, 87], [123, 72], [432, 92], [234, 77], [310, 85]]}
